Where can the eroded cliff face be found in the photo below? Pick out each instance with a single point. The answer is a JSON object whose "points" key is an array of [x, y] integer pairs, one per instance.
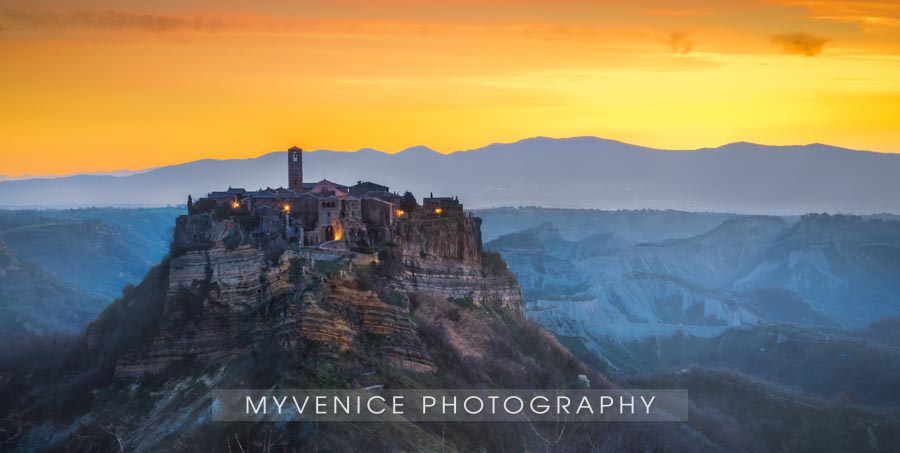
{"points": [[443, 257], [218, 303], [224, 300]]}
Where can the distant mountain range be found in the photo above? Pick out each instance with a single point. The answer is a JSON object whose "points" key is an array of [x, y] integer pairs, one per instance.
{"points": [[819, 270], [582, 172], [99, 173]]}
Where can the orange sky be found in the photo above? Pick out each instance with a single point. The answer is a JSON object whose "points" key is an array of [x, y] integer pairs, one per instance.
{"points": [[107, 85]]}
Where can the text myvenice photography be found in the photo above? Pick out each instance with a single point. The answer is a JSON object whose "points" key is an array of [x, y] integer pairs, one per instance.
{"points": [[450, 226], [450, 405]]}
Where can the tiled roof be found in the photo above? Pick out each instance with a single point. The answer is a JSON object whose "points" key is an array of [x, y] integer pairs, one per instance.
{"points": [[339, 186]]}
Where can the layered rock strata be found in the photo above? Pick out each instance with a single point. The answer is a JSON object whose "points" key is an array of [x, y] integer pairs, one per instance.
{"points": [[444, 258], [224, 300]]}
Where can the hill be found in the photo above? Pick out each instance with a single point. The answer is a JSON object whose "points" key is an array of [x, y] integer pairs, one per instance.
{"points": [[98, 250], [819, 270], [34, 302]]}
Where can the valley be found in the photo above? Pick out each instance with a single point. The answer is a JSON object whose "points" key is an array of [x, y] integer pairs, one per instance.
{"points": [[789, 317], [796, 300]]}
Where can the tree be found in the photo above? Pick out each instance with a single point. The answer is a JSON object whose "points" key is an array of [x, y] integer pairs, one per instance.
{"points": [[222, 212], [408, 202], [204, 205]]}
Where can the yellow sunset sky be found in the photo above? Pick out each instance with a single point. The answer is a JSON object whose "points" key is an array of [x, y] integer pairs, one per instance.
{"points": [[106, 85]]}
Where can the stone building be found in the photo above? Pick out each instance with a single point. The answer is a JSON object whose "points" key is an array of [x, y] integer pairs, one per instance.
{"points": [[295, 168], [441, 205], [314, 213]]}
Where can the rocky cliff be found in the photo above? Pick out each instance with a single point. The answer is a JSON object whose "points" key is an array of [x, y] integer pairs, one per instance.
{"points": [[226, 295], [444, 257]]}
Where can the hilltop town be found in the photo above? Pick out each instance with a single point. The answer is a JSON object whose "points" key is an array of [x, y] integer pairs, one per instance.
{"points": [[324, 212], [323, 263]]}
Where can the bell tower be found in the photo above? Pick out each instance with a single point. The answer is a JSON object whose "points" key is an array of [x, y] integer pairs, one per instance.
{"points": [[295, 169]]}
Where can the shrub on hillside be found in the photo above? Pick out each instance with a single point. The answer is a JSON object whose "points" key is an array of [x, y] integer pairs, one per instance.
{"points": [[248, 222], [389, 260], [222, 212], [295, 270], [232, 241], [493, 264], [488, 346], [274, 249]]}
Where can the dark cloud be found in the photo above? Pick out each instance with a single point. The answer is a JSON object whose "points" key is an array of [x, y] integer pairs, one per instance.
{"points": [[107, 20], [680, 43], [800, 44]]}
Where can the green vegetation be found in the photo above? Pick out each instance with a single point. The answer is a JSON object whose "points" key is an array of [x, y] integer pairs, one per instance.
{"points": [[408, 203], [365, 277], [232, 241], [203, 205], [494, 265], [295, 270], [189, 306], [222, 212], [740, 412], [274, 249], [248, 222], [330, 267], [390, 259], [464, 302]]}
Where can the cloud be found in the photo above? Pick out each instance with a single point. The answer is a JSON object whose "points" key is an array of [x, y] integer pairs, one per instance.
{"points": [[869, 14], [680, 43], [800, 44], [108, 20]]}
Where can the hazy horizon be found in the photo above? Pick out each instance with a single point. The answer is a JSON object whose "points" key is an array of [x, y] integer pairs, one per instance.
{"points": [[128, 172], [581, 172]]}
